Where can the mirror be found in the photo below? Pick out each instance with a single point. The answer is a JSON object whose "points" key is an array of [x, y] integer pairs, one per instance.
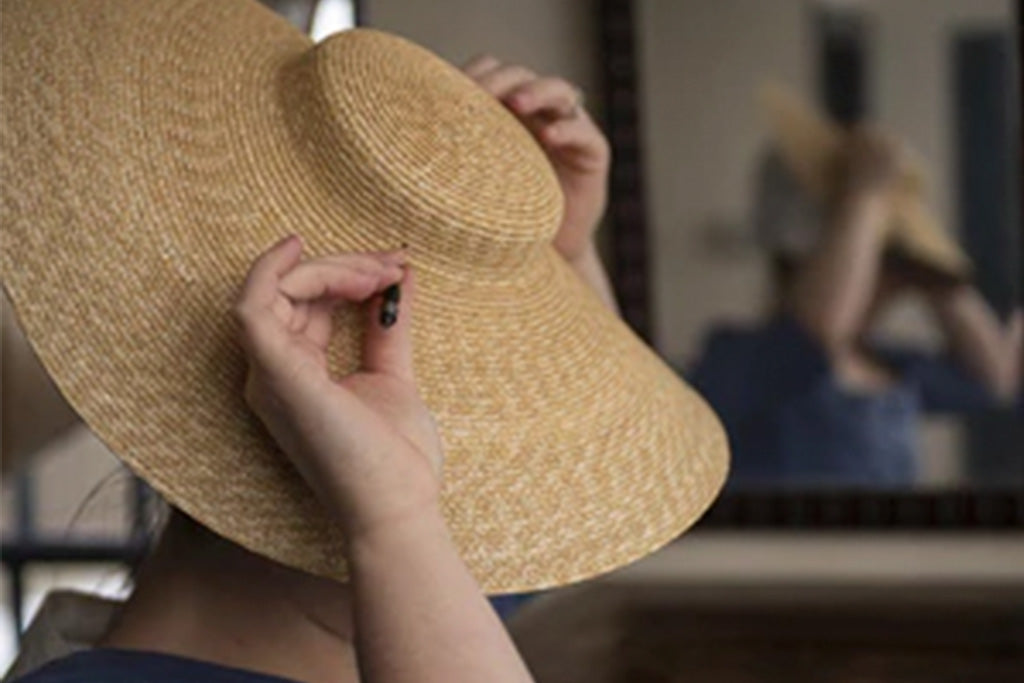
{"points": [[829, 373]]}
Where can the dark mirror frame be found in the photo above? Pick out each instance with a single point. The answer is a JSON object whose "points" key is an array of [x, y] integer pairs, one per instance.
{"points": [[628, 247]]}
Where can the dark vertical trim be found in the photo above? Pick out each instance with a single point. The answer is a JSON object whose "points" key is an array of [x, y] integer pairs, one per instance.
{"points": [[842, 37], [627, 196], [985, 136], [25, 497], [137, 508], [1017, 100], [16, 576], [25, 532], [988, 184]]}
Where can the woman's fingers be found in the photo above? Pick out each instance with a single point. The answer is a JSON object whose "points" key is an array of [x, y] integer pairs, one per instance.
{"points": [[480, 65], [260, 288], [392, 257], [550, 107], [522, 90], [388, 345], [354, 277], [551, 96], [578, 142], [283, 297], [320, 324], [504, 79], [254, 309]]}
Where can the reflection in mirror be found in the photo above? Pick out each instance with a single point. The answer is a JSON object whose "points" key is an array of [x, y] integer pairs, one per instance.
{"points": [[834, 218]]}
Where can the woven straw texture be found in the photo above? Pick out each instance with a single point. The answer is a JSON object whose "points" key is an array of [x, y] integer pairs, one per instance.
{"points": [[151, 149], [812, 146]]}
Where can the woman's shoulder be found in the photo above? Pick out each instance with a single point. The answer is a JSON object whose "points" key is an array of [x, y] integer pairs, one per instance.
{"points": [[778, 342]]}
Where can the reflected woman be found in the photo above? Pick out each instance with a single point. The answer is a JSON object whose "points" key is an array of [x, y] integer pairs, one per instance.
{"points": [[808, 397]]}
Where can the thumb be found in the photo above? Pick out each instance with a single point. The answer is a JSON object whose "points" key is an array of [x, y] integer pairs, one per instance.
{"points": [[388, 348]]}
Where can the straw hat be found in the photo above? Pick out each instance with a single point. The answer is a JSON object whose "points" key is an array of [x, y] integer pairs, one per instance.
{"points": [[152, 148], [813, 146]]}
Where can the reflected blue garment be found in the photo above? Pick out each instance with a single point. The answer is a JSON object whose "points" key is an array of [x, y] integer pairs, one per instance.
{"points": [[790, 421], [129, 666], [507, 605]]}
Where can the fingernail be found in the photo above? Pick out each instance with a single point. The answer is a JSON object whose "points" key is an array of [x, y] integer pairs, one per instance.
{"points": [[389, 310]]}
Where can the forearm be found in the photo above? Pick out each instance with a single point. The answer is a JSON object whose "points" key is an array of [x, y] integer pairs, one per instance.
{"points": [[990, 350], [590, 269], [420, 615], [370, 450], [834, 288]]}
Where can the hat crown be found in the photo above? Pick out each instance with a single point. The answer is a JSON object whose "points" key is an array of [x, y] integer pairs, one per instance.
{"points": [[408, 137]]}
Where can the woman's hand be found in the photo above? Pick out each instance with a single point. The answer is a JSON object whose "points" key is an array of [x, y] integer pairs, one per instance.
{"points": [[872, 163], [835, 285], [365, 443], [552, 109], [369, 448]]}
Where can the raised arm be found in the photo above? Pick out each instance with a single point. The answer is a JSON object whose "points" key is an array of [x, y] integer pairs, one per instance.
{"points": [[834, 288], [552, 110], [370, 451], [990, 349]]}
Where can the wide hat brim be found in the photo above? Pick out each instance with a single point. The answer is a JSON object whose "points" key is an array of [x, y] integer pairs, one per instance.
{"points": [[148, 156], [812, 147]]}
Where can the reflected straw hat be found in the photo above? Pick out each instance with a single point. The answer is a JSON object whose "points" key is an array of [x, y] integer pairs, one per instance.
{"points": [[151, 149], [812, 146]]}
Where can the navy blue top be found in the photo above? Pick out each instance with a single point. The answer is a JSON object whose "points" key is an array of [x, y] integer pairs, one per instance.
{"points": [[790, 421], [130, 666]]}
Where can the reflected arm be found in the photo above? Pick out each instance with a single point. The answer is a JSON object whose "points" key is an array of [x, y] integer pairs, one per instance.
{"points": [[990, 349], [835, 287]]}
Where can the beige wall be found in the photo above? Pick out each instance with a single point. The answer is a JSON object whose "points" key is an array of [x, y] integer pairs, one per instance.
{"points": [[701, 63], [550, 36], [912, 86]]}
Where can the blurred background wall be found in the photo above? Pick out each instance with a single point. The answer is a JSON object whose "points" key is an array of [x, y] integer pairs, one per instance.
{"points": [[548, 36], [701, 65]]}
